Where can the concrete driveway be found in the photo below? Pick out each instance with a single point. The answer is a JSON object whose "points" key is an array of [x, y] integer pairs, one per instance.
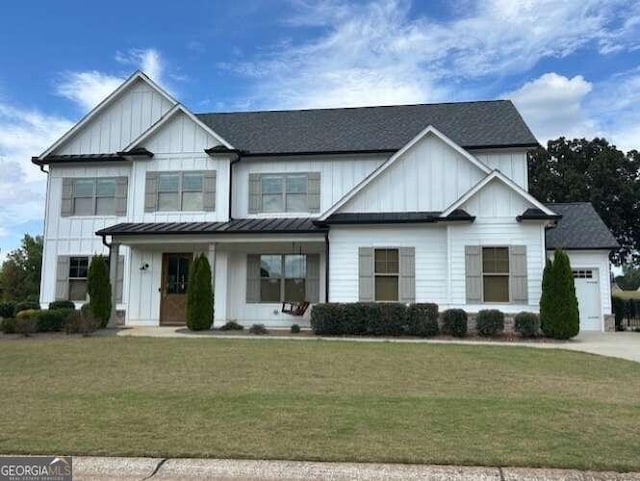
{"points": [[625, 345]]}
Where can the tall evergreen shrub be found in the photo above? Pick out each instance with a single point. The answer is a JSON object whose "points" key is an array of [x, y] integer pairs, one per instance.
{"points": [[99, 287], [200, 295], [559, 314]]}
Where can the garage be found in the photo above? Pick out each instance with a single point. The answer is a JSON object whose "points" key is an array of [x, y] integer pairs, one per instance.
{"points": [[588, 294]]}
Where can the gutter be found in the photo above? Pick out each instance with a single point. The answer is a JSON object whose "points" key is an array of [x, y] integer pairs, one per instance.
{"points": [[326, 266], [236, 160]]}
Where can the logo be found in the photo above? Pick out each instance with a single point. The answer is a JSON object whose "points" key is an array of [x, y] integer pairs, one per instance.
{"points": [[36, 468]]}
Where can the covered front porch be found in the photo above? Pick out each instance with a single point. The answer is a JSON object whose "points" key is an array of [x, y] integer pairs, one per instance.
{"points": [[253, 272]]}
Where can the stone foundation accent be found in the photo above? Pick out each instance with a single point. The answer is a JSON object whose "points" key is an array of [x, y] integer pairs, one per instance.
{"points": [[120, 315], [609, 323]]}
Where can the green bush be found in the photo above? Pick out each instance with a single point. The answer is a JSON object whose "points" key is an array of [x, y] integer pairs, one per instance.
{"points": [[326, 319], [7, 309], [454, 322], [295, 329], [559, 315], [26, 325], [490, 322], [99, 288], [258, 329], [199, 295], [27, 306], [80, 322], [232, 326], [28, 314], [52, 319], [62, 305], [387, 319], [8, 325], [527, 324], [619, 307], [422, 320]]}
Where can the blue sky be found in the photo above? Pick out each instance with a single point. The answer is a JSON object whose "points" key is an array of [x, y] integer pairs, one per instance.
{"points": [[572, 67]]}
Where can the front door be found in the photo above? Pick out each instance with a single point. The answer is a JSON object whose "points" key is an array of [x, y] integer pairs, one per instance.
{"points": [[175, 277]]}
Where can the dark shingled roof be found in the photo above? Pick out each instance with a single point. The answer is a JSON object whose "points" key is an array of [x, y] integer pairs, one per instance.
{"points": [[580, 228], [486, 124], [237, 226]]}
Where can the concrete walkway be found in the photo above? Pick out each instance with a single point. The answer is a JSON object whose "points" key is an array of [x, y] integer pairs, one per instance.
{"points": [[623, 345], [138, 469]]}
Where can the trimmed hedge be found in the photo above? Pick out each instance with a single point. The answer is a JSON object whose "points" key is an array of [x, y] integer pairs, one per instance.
{"points": [[52, 319], [26, 325], [454, 322], [527, 324], [490, 322], [422, 320], [27, 305], [7, 309], [628, 309], [8, 325], [387, 319], [62, 305]]}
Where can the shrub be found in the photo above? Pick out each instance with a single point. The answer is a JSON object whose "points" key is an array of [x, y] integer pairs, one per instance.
{"points": [[490, 322], [8, 325], [619, 308], [386, 319], [258, 329], [26, 325], [422, 320], [232, 326], [527, 324], [62, 305], [355, 318], [559, 315], [200, 295], [454, 322], [326, 319], [27, 305], [52, 319], [295, 329], [7, 309], [80, 322], [28, 314], [99, 288]]}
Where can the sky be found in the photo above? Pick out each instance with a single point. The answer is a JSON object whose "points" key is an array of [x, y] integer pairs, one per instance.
{"points": [[571, 67]]}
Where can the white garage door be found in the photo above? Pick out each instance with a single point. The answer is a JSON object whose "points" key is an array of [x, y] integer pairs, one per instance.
{"points": [[588, 294]]}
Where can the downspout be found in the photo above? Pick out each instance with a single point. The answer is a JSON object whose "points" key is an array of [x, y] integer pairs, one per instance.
{"points": [[237, 159], [326, 266]]}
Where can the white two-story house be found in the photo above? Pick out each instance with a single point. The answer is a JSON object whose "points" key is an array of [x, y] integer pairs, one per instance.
{"points": [[413, 203]]}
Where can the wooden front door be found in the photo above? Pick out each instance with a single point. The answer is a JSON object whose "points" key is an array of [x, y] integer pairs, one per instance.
{"points": [[175, 277]]}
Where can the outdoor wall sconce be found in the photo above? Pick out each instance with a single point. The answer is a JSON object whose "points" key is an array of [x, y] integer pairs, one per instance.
{"points": [[144, 267]]}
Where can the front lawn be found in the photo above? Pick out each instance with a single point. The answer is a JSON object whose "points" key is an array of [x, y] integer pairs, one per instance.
{"points": [[319, 400]]}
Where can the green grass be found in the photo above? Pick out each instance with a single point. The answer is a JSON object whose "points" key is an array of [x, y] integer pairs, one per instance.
{"points": [[337, 401]]}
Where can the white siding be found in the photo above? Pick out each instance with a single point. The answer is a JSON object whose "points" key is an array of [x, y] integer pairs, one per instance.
{"points": [[428, 177], [133, 112], [496, 200], [594, 259], [143, 305], [338, 175], [180, 134], [430, 242], [512, 163]]}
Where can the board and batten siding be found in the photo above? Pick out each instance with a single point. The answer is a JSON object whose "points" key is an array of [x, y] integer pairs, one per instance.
{"points": [[512, 163], [430, 176], [430, 243], [338, 175], [128, 116]]}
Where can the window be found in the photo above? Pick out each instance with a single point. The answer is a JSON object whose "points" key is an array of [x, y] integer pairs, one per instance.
{"points": [[180, 191], [284, 193], [78, 273], [282, 278], [387, 273], [94, 196], [583, 274], [495, 274]]}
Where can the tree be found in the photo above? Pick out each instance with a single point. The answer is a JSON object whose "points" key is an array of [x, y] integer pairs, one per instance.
{"points": [[593, 171], [559, 314], [99, 288], [630, 278], [20, 272], [200, 295]]}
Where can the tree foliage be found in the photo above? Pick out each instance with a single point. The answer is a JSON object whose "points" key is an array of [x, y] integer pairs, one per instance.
{"points": [[581, 170], [99, 288], [630, 278], [200, 295], [20, 273], [559, 314]]}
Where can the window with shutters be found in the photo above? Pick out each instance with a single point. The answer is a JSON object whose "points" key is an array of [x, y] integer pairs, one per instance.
{"points": [[387, 274], [94, 196], [287, 193], [180, 191], [78, 278], [495, 274], [282, 278]]}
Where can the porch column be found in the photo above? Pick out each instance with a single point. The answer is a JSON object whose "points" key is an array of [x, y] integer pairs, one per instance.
{"points": [[211, 257], [221, 279], [114, 252]]}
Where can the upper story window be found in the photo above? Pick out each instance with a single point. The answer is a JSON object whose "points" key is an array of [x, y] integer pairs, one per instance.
{"points": [[180, 191], [290, 192], [495, 274], [94, 196]]}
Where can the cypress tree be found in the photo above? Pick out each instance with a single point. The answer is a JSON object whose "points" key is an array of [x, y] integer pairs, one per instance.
{"points": [[99, 288], [559, 315], [546, 299], [200, 295]]}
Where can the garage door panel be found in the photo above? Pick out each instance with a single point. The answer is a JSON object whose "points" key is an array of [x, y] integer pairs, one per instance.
{"points": [[588, 293]]}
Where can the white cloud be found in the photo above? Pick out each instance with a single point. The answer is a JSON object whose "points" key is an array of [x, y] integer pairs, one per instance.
{"points": [[376, 53], [88, 89], [552, 105]]}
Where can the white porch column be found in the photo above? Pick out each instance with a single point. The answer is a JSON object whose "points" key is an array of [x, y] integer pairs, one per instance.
{"points": [[220, 280], [114, 252]]}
